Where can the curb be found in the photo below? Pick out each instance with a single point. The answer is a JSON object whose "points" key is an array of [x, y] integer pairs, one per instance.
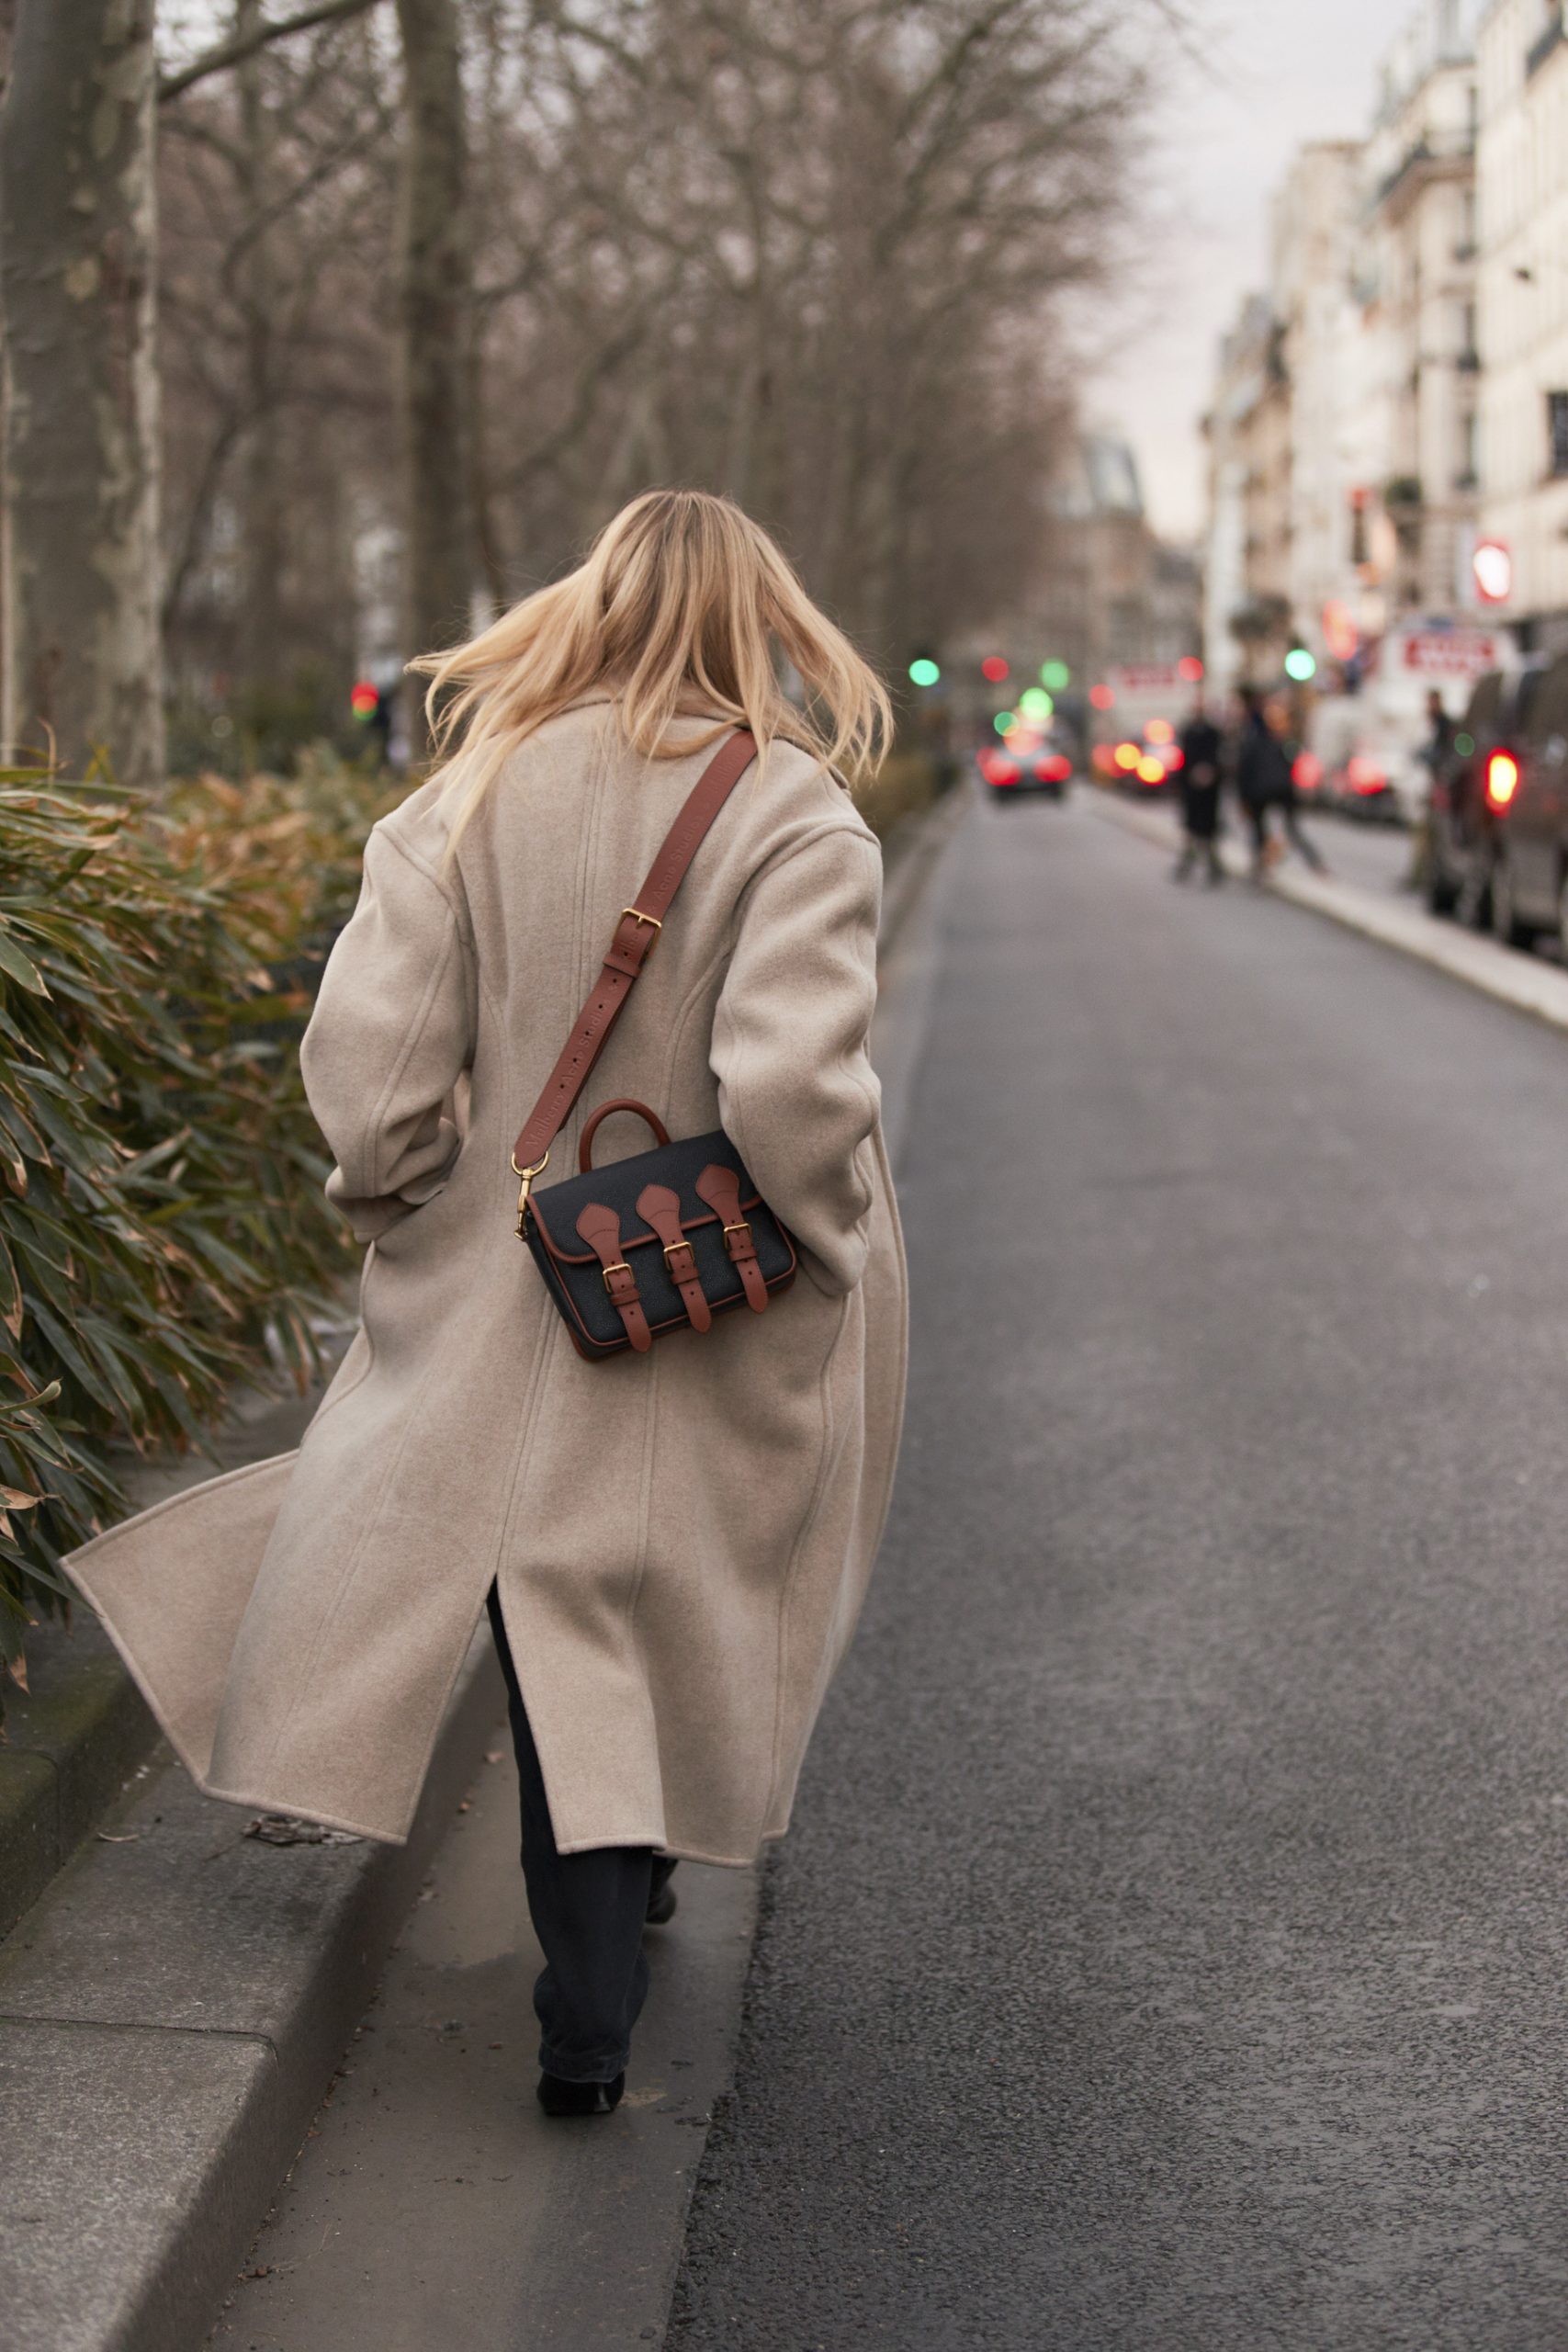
{"points": [[909, 855], [171, 2010], [74, 1739], [1507, 974]]}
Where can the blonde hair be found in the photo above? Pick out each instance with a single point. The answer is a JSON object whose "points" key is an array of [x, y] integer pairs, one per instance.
{"points": [[682, 602]]}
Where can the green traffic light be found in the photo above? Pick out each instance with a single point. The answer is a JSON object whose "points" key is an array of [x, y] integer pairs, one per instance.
{"points": [[1300, 664], [1056, 675], [1036, 702], [1005, 721], [924, 672]]}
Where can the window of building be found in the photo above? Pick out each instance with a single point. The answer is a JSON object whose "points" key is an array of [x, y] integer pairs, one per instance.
{"points": [[1467, 446], [1557, 431]]}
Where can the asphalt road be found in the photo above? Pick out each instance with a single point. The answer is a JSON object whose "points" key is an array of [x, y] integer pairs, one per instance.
{"points": [[1170, 1949]]}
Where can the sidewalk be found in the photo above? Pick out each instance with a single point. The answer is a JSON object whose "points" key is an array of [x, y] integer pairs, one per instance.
{"points": [[1527, 982], [174, 2005]]}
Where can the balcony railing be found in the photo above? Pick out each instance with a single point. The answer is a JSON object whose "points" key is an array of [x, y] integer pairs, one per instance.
{"points": [[1427, 155], [1541, 49]]}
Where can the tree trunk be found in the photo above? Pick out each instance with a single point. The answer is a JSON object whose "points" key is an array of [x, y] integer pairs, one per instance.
{"points": [[434, 265], [83, 658], [259, 637]]}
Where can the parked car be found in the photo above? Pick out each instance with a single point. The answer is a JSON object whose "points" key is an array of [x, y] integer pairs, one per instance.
{"points": [[1010, 770], [1497, 847]]}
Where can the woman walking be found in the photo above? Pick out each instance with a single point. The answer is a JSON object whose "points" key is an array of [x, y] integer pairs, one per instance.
{"points": [[672, 1541]]}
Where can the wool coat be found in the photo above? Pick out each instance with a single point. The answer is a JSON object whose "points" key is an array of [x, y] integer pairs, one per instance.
{"points": [[681, 1540]]}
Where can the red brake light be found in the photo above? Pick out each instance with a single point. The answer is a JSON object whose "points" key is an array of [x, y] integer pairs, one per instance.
{"points": [[1502, 778], [1053, 768], [1365, 776], [997, 768], [1308, 771]]}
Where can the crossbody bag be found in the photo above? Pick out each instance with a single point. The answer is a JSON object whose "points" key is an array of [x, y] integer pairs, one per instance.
{"points": [[665, 1241]]}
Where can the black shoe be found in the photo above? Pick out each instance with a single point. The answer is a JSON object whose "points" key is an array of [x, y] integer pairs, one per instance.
{"points": [[557, 2097], [660, 1904]]}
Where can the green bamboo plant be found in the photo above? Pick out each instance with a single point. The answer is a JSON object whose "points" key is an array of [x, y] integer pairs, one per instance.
{"points": [[163, 1230]]}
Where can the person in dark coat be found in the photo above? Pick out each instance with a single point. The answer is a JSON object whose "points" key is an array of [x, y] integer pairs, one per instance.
{"points": [[1264, 780], [1198, 788]]}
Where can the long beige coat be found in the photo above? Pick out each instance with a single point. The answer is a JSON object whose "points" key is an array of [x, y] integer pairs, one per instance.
{"points": [[681, 1540]]}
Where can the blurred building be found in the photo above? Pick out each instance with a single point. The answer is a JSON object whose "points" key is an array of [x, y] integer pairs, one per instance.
{"points": [[1522, 309], [1317, 217], [1417, 290], [1344, 429], [1112, 592], [1246, 570]]}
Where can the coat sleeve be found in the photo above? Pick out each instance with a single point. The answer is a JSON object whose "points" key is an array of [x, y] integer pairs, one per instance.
{"points": [[798, 1095], [390, 1036]]}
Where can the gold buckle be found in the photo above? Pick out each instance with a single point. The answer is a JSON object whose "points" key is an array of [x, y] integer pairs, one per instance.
{"points": [[670, 1247], [527, 1174], [620, 1267], [652, 920], [743, 1226]]}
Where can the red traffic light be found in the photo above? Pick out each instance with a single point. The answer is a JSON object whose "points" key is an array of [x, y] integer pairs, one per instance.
{"points": [[364, 699], [1191, 669], [994, 668], [1101, 697]]}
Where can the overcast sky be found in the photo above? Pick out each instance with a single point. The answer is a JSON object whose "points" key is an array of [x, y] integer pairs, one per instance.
{"points": [[1277, 71]]}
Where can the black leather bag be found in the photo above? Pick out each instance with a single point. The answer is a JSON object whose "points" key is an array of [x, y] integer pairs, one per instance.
{"points": [[734, 1264], [669, 1239]]}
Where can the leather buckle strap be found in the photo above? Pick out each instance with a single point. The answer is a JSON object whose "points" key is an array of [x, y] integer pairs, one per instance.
{"points": [[600, 1229], [661, 1207], [720, 1188], [635, 933]]}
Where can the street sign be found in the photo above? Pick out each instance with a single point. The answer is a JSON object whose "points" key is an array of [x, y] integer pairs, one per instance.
{"points": [[1451, 652]]}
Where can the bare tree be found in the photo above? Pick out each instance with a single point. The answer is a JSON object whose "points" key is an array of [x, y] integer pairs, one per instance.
{"points": [[434, 274], [82, 666]]}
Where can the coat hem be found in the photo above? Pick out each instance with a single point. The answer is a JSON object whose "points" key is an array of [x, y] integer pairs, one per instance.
{"points": [[681, 1852]]}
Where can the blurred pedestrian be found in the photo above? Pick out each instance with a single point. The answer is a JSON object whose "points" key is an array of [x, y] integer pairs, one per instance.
{"points": [[1197, 789], [1265, 781], [1436, 753], [671, 1550]]}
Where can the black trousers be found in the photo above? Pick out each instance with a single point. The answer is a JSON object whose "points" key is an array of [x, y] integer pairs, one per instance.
{"points": [[589, 1911], [1256, 813]]}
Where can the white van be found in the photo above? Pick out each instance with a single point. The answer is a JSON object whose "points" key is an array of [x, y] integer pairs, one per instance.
{"points": [[1364, 750]]}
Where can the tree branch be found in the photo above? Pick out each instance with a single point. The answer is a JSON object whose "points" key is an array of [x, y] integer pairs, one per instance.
{"points": [[239, 46]]}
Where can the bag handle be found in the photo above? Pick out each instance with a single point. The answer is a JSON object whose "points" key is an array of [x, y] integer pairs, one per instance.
{"points": [[639, 926], [604, 1110]]}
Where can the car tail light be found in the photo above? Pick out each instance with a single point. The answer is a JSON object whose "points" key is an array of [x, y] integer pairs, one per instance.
{"points": [[1307, 772], [1176, 758], [1502, 778], [997, 768], [1151, 770], [1127, 757], [1365, 776], [1053, 768]]}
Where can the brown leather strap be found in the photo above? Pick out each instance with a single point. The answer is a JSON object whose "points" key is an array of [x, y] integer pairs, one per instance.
{"points": [[605, 1111], [720, 1188], [629, 951], [661, 1207], [600, 1229]]}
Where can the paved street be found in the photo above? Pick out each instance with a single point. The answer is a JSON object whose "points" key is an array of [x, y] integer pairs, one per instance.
{"points": [[1169, 1950]]}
